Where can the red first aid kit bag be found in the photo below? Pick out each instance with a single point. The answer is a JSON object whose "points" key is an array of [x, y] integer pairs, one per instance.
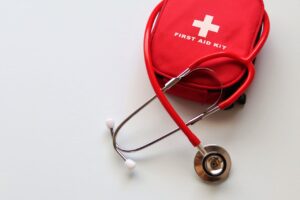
{"points": [[187, 30]]}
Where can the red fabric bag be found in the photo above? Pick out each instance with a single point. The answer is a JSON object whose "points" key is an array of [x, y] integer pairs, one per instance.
{"points": [[186, 30]]}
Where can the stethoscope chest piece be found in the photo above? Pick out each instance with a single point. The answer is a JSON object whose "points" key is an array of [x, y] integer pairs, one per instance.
{"points": [[215, 165]]}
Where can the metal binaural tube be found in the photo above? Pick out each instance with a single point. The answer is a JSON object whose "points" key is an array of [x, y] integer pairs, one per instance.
{"points": [[172, 82]]}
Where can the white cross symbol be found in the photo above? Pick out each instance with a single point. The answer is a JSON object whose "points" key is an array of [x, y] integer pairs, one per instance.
{"points": [[206, 25]]}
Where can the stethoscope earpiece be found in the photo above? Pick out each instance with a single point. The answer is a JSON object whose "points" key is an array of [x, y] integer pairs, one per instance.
{"points": [[110, 123], [130, 164], [214, 164]]}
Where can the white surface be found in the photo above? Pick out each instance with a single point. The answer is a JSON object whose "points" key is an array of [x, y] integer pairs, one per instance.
{"points": [[65, 66]]}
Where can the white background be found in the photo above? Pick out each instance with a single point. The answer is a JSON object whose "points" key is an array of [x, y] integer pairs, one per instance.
{"points": [[67, 65]]}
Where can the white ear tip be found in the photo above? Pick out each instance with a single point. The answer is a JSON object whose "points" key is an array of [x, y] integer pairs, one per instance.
{"points": [[130, 164], [110, 123]]}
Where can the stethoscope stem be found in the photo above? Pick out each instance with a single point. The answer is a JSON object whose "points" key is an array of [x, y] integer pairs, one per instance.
{"points": [[201, 150]]}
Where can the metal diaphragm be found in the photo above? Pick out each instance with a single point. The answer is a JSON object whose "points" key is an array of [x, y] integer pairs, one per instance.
{"points": [[215, 165]]}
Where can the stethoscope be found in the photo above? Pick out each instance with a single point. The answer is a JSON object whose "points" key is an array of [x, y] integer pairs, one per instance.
{"points": [[212, 162]]}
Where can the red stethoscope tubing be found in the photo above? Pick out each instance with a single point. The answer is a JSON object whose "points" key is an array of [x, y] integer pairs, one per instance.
{"points": [[247, 61]]}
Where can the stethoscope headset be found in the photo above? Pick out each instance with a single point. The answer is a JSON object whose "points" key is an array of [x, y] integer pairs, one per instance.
{"points": [[212, 162]]}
